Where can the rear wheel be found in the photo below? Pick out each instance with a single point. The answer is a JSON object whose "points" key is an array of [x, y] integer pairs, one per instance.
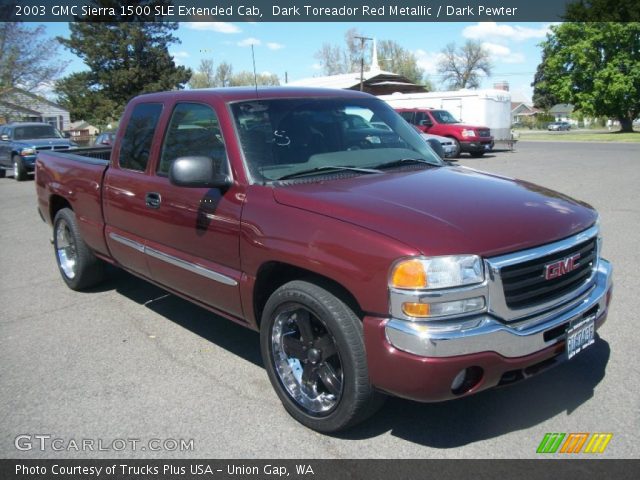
{"points": [[3, 172], [19, 172], [313, 350], [78, 265]]}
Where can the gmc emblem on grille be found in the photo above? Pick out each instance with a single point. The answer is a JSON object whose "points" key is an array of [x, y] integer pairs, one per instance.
{"points": [[561, 267]]}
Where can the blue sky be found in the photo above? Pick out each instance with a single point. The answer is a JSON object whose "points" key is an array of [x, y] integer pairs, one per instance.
{"points": [[290, 47]]}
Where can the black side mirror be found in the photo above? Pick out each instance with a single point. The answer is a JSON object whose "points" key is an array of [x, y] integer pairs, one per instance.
{"points": [[197, 172], [66, 134], [425, 123]]}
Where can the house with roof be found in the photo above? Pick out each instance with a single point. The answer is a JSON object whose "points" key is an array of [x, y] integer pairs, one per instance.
{"points": [[374, 81], [562, 112], [17, 105], [521, 113]]}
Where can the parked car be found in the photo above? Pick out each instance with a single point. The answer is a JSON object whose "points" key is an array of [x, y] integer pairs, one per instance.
{"points": [[105, 138], [21, 142], [367, 263], [476, 140], [559, 126]]}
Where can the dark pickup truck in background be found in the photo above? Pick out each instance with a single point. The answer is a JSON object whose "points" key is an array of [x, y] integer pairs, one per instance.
{"points": [[368, 264], [21, 142]]}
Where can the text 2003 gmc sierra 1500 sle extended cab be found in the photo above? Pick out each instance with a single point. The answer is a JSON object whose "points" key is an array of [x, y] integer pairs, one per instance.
{"points": [[368, 265]]}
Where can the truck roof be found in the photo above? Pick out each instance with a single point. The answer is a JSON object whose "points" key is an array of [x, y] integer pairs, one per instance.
{"points": [[230, 94]]}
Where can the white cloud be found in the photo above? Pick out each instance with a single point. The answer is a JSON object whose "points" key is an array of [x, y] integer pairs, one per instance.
{"points": [[503, 54], [503, 33], [248, 42], [428, 61], [220, 27], [274, 46], [316, 66]]}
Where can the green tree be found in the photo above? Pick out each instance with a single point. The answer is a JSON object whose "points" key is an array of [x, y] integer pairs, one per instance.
{"points": [[246, 78], [596, 67], [603, 11], [542, 97], [27, 58], [124, 60], [394, 58], [463, 67]]}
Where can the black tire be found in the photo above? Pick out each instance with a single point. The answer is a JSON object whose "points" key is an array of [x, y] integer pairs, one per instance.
{"points": [[340, 381], [476, 154], [19, 172], [458, 150], [79, 267], [3, 172]]}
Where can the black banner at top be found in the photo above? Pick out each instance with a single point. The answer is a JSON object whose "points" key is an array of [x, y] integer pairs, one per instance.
{"points": [[318, 10]]}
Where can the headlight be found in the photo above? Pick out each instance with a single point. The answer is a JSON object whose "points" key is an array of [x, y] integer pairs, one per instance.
{"points": [[437, 272], [25, 152], [468, 133]]}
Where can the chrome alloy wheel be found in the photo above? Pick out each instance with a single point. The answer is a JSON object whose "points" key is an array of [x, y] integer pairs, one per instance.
{"points": [[306, 360], [66, 249]]}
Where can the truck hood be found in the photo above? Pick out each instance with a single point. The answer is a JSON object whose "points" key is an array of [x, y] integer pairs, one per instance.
{"points": [[445, 210], [464, 126], [44, 142]]}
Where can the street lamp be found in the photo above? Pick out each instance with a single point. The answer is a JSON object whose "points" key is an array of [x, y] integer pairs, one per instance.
{"points": [[362, 40]]}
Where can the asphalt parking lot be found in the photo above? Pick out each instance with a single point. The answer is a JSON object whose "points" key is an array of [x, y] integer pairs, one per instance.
{"points": [[128, 361]]}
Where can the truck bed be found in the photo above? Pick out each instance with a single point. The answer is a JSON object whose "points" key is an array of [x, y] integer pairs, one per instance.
{"points": [[74, 179]]}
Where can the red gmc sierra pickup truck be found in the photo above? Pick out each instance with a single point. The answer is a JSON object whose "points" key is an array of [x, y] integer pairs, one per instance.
{"points": [[368, 264]]}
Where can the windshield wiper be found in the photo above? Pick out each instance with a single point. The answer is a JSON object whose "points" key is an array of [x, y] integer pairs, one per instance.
{"points": [[402, 161], [311, 171]]}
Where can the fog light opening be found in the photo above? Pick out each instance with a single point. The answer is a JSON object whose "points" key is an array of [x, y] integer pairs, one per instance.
{"points": [[466, 380]]}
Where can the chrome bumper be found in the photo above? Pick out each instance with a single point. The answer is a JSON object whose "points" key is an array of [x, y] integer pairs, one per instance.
{"points": [[484, 333]]}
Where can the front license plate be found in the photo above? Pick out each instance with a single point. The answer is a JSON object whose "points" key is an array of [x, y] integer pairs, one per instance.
{"points": [[580, 336], [487, 147]]}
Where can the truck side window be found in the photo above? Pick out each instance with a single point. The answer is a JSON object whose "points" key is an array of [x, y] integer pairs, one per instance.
{"points": [[408, 116], [193, 131], [136, 144]]}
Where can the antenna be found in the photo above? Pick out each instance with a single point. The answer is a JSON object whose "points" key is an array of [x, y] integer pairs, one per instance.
{"points": [[255, 75]]}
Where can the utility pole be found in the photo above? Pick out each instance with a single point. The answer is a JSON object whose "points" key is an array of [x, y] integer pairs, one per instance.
{"points": [[362, 40]]}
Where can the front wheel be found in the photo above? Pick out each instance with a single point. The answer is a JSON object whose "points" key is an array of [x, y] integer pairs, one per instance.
{"points": [[78, 265], [476, 154], [313, 350], [458, 150], [19, 171]]}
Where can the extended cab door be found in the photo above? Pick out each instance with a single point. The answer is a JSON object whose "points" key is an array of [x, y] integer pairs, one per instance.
{"points": [[191, 235]]}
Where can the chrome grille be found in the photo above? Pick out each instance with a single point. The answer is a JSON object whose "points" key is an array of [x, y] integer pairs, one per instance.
{"points": [[518, 288], [525, 284]]}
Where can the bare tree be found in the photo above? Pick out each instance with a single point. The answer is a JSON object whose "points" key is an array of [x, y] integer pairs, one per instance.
{"points": [[204, 77], [27, 58], [224, 74], [463, 67], [333, 59]]}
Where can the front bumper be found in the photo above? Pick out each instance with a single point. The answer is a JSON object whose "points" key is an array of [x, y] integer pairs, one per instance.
{"points": [[28, 162], [413, 360], [484, 145]]}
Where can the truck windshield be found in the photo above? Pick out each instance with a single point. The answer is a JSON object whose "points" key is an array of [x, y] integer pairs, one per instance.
{"points": [[31, 132], [442, 116], [283, 137]]}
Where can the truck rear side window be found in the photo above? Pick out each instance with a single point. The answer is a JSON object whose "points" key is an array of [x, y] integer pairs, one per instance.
{"points": [[136, 144], [193, 131]]}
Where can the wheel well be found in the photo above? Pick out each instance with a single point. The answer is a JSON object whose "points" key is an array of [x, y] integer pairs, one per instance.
{"points": [[273, 275], [57, 203]]}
